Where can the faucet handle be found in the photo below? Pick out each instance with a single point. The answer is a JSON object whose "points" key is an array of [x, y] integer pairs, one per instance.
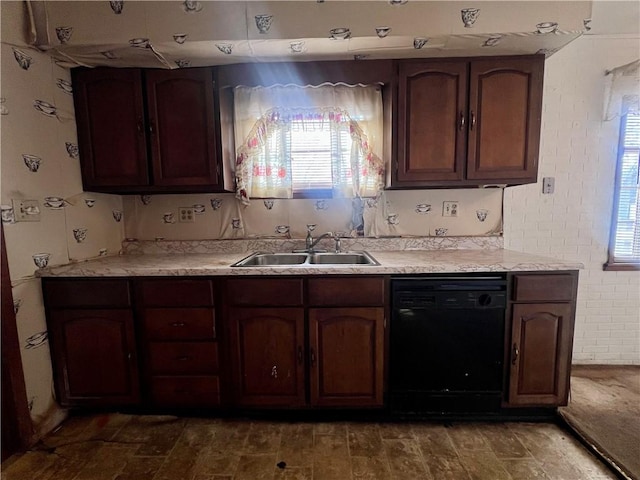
{"points": [[311, 227]]}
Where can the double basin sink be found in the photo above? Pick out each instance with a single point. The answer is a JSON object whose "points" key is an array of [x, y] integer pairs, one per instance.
{"points": [[260, 259]]}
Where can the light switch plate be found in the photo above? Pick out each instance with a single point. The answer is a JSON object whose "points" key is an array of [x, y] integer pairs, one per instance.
{"points": [[185, 215], [26, 210], [450, 208]]}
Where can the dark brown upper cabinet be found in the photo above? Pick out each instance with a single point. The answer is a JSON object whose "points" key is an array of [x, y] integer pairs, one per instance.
{"points": [[468, 122], [109, 108], [147, 130], [432, 101]]}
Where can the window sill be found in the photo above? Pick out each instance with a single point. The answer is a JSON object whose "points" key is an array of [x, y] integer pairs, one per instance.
{"points": [[315, 193], [620, 267]]}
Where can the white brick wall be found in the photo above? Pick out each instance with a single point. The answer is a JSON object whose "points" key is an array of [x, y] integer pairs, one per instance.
{"points": [[579, 150]]}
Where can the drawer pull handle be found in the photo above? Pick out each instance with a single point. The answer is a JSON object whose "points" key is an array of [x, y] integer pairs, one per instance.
{"points": [[274, 372], [462, 120], [181, 391], [300, 355], [178, 324], [473, 120], [516, 352], [183, 358]]}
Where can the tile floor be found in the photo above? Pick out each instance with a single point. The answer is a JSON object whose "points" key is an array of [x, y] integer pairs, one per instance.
{"points": [[127, 447]]}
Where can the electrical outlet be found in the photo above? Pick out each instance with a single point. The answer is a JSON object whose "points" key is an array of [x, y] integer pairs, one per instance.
{"points": [[548, 185], [449, 209], [26, 210], [185, 215]]}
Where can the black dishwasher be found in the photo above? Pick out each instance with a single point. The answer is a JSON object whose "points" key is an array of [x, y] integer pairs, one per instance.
{"points": [[446, 349]]}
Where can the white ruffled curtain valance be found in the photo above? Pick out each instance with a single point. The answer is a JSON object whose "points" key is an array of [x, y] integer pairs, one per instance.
{"points": [[265, 115], [622, 91]]}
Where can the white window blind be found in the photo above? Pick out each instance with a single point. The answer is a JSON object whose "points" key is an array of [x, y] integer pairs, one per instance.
{"points": [[625, 241], [320, 156]]}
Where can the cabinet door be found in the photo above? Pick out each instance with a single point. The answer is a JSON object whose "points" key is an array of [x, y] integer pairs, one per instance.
{"points": [[111, 132], [432, 134], [505, 102], [182, 127], [346, 356], [268, 349], [94, 357], [541, 342]]}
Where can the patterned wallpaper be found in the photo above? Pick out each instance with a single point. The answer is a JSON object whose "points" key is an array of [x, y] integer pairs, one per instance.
{"points": [[443, 212], [39, 162], [176, 34]]}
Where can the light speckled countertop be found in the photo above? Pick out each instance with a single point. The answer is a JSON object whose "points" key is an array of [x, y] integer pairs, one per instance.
{"points": [[392, 262]]}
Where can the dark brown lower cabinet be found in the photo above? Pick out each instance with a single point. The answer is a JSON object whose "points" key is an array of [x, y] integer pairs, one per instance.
{"points": [[540, 354], [326, 334], [179, 342], [185, 391], [268, 350], [346, 356], [290, 342], [541, 339], [94, 357]]}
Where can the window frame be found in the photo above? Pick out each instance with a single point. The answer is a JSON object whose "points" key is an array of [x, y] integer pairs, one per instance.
{"points": [[380, 71], [612, 264]]}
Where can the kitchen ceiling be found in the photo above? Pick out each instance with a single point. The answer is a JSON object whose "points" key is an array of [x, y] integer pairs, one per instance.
{"points": [[174, 34]]}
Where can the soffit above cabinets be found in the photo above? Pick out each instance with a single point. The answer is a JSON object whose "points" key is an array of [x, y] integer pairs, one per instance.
{"points": [[173, 34]]}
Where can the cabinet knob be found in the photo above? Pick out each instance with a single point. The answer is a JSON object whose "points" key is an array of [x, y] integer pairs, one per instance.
{"points": [[515, 352], [300, 355], [462, 121], [313, 357], [473, 120], [274, 372]]}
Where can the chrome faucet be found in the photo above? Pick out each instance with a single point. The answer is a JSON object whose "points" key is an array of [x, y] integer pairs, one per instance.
{"points": [[309, 240], [311, 243], [338, 246]]}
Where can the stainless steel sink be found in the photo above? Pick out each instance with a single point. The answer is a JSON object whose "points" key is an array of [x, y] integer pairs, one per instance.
{"points": [[271, 259], [260, 259], [346, 258]]}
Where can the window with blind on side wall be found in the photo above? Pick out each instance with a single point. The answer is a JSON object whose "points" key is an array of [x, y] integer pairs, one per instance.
{"points": [[624, 243]]}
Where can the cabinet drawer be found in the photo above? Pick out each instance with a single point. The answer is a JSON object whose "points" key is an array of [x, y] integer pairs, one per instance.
{"points": [[183, 358], [354, 291], [193, 391], [544, 288], [272, 291], [175, 293], [179, 323], [87, 293]]}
